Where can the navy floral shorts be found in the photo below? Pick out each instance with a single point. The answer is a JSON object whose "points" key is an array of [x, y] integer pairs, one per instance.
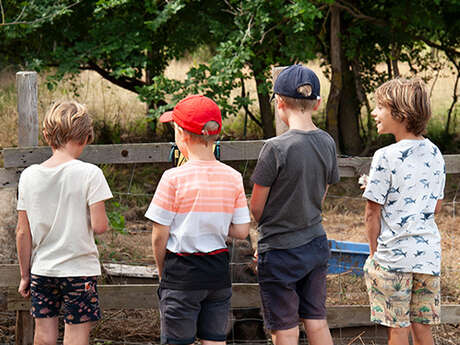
{"points": [[77, 295]]}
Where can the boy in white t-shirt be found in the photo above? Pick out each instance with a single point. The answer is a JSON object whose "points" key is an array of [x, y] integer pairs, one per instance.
{"points": [[60, 207], [403, 192]]}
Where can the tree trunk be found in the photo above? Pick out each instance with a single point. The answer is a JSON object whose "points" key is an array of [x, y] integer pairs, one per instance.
{"points": [[395, 53], [333, 101], [349, 113], [454, 97], [266, 114]]}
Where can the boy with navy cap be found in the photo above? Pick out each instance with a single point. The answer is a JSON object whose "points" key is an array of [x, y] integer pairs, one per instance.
{"points": [[291, 179], [195, 207]]}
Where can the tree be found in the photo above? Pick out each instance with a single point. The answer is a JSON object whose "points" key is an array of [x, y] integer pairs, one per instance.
{"points": [[127, 42], [385, 31], [262, 34]]}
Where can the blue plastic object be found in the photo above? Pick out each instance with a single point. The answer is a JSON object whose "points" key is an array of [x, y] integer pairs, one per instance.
{"points": [[347, 257]]}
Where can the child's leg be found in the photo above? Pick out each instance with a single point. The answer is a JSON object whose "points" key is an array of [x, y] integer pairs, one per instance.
{"points": [[46, 331], [398, 336], [425, 307], [46, 302], [421, 334], [318, 332], [77, 334], [286, 336], [213, 317], [81, 308]]}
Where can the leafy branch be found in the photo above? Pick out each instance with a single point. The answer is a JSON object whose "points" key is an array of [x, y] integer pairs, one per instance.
{"points": [[17, 21]]}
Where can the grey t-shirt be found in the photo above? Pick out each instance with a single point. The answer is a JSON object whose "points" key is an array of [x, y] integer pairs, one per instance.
{"points": [[297, 166]]}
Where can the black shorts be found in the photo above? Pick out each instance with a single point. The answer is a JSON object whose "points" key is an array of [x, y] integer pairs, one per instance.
{"points": [[77, 295], [293, 284]]}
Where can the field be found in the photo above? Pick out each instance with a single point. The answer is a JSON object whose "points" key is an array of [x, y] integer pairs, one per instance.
{"points": [[120, 117]]}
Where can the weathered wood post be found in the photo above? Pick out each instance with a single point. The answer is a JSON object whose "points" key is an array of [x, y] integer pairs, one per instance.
{"points": [[27, 136]]}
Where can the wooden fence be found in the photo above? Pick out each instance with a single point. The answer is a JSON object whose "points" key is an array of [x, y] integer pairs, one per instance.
{"points": [[143, 296]]}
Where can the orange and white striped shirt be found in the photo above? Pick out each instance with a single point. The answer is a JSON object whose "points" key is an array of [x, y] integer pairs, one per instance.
{"points": [[199, 200]]}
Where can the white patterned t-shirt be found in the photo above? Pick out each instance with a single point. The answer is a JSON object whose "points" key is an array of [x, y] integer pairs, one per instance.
{"points": [[407, 178]]}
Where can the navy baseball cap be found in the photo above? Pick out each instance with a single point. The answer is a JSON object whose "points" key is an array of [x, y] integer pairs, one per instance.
{"points": [[294, 76]]}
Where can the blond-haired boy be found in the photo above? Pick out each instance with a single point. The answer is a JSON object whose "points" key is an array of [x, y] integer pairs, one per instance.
{"points": [[291, 179], [195, 207], [404, 191], [60, 207]]}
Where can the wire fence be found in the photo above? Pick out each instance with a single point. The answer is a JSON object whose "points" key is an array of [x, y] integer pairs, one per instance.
{"points": [[246, 326]]}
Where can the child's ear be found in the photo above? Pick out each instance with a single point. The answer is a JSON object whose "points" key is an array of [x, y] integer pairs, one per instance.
{"points": [[45, 137], [317, 105], [280, 104]]}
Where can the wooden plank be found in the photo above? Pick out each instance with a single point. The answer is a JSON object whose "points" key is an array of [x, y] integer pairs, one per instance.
{"points": [[244, 296], [123, 270], [10, 275], [159, 153], [9, 177], [27, 108], [24, 328]]}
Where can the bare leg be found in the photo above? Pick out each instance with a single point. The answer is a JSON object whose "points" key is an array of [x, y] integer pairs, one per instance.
{"points": [[286, 336], [398, 336], [421, 334], [211, 342], [317, 332], [46, 331], [77, 334]]}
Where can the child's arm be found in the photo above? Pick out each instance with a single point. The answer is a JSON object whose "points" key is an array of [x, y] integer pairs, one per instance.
{"points": [[372, 220], [99, 221], [258, 199], [239, 231], [437, 209], [160, 235], [24, 247], [324, 196]]}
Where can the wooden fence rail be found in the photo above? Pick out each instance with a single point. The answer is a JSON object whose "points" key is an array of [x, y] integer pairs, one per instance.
{"points": [[144, 297], [17, 158]]}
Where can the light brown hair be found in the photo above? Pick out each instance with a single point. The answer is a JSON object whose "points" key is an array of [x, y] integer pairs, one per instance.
{"points": [[67, 121], [301, 103], [205, 139], [407, 100]]}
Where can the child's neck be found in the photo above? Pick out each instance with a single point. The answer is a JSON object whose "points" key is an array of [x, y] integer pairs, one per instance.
{"points": [[66, 153], [200, 152], [404, 134], [301, 121]]}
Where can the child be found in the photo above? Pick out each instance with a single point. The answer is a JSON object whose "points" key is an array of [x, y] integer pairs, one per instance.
{"points": [[405, 189], [60, 207], [195, 207], [290, 183]]}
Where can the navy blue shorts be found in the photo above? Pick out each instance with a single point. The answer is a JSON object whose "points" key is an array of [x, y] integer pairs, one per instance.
{"points": [[186, 313], [293, 284], [77, 295]]}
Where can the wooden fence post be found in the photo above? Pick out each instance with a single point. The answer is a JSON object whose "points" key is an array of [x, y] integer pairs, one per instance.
{"points": [[27, 108], [27, 136]]}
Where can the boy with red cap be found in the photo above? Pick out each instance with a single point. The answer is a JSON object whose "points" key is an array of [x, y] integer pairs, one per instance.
{"points": [[290, 182], [195, 207]]}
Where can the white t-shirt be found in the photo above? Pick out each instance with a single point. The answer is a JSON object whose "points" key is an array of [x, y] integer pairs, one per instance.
{"points": [[407, 179], [57, 203]]}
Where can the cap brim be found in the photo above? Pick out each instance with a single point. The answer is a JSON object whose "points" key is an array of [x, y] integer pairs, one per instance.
{"points": [[166, 117]]}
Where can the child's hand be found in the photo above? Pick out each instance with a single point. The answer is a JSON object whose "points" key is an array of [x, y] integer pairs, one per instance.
{"points": [[363, 181], [24, 287]]}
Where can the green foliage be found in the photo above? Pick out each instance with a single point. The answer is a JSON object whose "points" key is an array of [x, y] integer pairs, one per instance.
{"points": [[116, 219]]}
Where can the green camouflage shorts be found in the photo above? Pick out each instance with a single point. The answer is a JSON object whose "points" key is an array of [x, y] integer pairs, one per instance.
{"points": [[399, 298]]}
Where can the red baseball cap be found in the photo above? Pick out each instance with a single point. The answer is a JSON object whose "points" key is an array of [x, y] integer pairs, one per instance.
{"points": [[193, 112]]}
